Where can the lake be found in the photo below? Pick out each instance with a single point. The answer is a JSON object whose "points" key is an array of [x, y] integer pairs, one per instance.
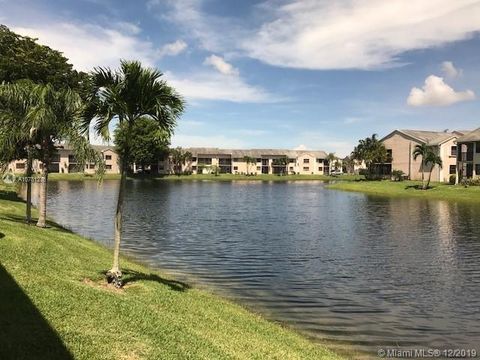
{"points": [[354, 271]]}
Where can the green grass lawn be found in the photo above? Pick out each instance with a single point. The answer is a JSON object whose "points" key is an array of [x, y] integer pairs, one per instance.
{"points": [[408, 188], [54, 304], [211, 177]]}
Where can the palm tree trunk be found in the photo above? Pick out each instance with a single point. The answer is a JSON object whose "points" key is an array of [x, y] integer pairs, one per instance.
{"points": [[430, 176], [114, 274], [423, 175], [42, 205], [29, 172]]}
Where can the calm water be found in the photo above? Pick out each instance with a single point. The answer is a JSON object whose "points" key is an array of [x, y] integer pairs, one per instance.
{"points": [[345, 268]]}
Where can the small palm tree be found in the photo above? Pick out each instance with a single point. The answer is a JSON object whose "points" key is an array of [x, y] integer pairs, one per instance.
{"points": [[47, 116], [179, 158], [127, 94], [249, 160], [16, 102], [433, 159], [423, 150]]}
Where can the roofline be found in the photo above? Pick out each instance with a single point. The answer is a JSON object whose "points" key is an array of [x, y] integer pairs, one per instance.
{"points": [[418, 139]]}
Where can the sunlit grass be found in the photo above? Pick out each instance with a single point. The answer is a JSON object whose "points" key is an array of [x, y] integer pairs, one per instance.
{"points": [[411, 189], [153, 317]]}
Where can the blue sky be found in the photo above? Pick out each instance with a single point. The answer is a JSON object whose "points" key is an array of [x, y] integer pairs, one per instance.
{"points": [[284, 74]]}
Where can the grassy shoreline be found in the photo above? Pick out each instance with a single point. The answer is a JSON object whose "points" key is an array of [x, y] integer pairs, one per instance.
{"points": [[209, 177], [438, 191], [55, 305]]}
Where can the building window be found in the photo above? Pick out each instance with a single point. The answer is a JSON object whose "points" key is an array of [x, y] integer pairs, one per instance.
{"points": [[194, 159], [306, 161], [477, 169], [291, 168], [291, 160], [453, 151], [306, 168], [235, 168], [258, 168], [20, 165], [92, 166], [477, 147], [108, 157], [453, 168], [205, 161], [108, 167], [259, 160], [320, 169], [71, 159], [320, 161]]}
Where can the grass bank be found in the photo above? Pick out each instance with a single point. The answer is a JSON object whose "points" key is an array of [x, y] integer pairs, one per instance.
{"points": [[54, 304], [210, 177], [410, 189]]}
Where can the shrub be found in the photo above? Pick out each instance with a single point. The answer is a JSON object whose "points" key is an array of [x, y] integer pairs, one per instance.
{"points": [[398, 175], [452, 179]]}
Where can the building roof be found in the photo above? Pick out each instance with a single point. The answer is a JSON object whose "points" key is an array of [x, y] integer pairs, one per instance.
{"points": [[428, 137], [100, 148], [256, 153], [470, 136]]}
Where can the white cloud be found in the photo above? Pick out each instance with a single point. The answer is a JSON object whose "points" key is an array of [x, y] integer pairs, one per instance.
{"points": [[343, 34], [436, 92], [359, 34], [129, 27], [216, 86], [173, 49], [450, 70], [221, 65], [300, 147], [87, 45]]}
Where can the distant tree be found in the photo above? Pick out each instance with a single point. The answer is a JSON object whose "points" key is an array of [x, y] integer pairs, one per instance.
{"points": [[349, 164], [179, 158], [373, 152], [215, 169], [330, 159], [128, 94], [283, 163], [147, 142], [249, 160], [22, 58]]}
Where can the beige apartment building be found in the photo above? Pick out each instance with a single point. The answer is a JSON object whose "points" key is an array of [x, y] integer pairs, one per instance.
{"points": [[264, 161], [401, 144], [469, 155], [64, 162]]}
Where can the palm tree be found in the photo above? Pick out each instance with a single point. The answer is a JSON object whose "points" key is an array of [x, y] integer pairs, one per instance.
{"points": [[425, 151], [16, 102], [330, 158], [373, 152], [127, 94], [433, 159], [179, 158], [44, 117], [249, 160]]}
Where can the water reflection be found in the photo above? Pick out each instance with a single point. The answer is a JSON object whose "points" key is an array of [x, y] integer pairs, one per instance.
{"points": [[342, 267]]}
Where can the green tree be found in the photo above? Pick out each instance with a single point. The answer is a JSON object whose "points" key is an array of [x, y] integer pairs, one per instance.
{"points": [[43, 117], [129, 94], [373, 152], [282, 162], [249, 160], [22, 58], [16, 141], [330, 159], [147, 142], [179, 157], [429, 156]]}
